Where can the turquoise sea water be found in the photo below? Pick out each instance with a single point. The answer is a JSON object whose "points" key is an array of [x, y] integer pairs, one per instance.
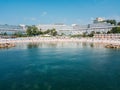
{"points": [[59, 66]]}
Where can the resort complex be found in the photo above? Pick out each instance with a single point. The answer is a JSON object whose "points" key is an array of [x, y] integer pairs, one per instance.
{"points": [[59, 45], [100, 31], [98, 26]]}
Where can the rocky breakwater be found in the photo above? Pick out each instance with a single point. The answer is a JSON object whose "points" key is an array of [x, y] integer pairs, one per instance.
{"points": [[113, 46], [7, 45]]}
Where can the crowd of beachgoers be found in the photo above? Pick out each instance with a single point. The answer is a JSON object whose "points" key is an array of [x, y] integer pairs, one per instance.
{"points": [[59, 39]]}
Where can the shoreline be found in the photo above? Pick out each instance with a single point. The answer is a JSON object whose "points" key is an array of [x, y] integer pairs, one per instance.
{"points": [[54, 39]]}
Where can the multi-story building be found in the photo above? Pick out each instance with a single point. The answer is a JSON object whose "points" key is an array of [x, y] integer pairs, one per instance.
{"points": [[11, 29], [100, 27], [98, 20], [61, 28], [97, 26]]}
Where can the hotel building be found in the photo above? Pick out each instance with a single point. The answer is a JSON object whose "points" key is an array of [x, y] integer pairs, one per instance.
{"points": [[11, 29], [97, 26]]}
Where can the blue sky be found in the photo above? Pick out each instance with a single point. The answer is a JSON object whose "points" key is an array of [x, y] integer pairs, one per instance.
{"points": [[57, 11]]}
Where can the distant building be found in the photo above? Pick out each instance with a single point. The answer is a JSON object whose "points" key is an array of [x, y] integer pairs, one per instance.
{"points": [[98, 20], [77, 29], [60, 28], [97, 26], [11, 29], [54, 26]]}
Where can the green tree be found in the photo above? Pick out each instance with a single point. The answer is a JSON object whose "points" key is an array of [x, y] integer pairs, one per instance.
{"points": [[111, 21], [91, 34], [97, 32], [47, 32], [29, 31], [118, 23], [114, 30], [108, 32], [32, 31], [35, 31], [53, 32], [77, 35], [62, 34], [84, 34], [18, 34], [5, 34]]}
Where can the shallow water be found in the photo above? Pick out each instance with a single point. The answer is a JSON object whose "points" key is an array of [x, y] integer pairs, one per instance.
{"points": [[59, 66]]}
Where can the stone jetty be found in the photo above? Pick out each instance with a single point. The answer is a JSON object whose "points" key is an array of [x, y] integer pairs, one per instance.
{"points": [[113, 46], [7, 45]]}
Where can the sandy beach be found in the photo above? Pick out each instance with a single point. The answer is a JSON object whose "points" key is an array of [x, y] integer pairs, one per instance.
{"points": [[61, 39]]}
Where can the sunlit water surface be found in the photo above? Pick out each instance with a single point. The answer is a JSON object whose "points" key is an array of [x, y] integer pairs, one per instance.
{"points": [[59, 66]]}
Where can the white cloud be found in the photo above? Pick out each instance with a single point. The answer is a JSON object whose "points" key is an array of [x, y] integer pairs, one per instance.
{"points": [[33, 19], [30, 19], [44, 13]]}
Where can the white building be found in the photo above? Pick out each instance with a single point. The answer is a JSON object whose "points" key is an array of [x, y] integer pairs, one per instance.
{"points": [[74, 29], [98, 20], [60, 28], [54, 26], [97, 26], [11, 29]]}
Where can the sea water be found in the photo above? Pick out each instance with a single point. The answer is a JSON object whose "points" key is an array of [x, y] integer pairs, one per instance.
{"points": [[59, 66]]}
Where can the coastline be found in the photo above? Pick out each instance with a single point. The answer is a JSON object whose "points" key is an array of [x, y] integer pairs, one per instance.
{"points": [[55, 39]]}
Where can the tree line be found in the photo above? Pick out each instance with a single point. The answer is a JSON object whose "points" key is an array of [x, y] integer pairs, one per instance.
{"points": [[114, 30], [34, 31], [112, 21]]}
